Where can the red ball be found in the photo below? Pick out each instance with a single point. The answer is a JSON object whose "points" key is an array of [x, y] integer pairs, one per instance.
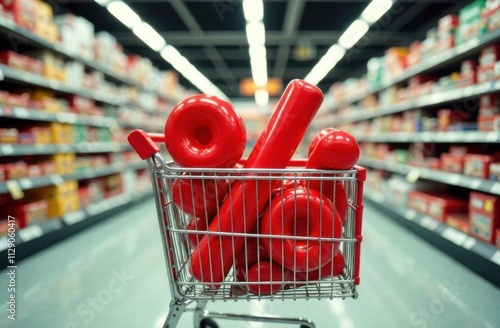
{"points": [[205, 131], [317, 138], [199, 197], [337, 150]]}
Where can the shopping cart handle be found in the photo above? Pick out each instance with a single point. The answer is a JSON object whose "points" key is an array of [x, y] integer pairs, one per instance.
{"points": [[144, 143]]}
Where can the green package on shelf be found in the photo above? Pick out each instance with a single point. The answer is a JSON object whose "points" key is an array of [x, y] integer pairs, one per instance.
{"points": [[471, 24]]}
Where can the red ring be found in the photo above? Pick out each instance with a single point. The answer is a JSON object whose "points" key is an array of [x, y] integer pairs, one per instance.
{"points": [[288, 216], [205, 131]]}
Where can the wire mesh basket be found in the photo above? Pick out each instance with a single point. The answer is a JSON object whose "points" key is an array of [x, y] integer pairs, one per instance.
{"points": [[243, 234]]}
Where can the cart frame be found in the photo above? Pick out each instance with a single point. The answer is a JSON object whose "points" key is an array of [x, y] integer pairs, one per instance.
{"points": [[185, 290]]}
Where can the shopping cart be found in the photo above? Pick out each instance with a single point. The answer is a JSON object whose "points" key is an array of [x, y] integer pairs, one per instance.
{"points": [[177, 237]]}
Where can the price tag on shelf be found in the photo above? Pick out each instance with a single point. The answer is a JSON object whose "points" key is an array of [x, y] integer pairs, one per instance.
{"points": [[21, 112], [7, 149], [26, 183], [475, 183], [1, 74], [493, 136], [14, 189], [469, 243], [413, 175], [455, 236], [73, 217], [495, 189], [56, 179], [411, 215], [429, 223], [496, 257], [471, 137], [30, 233]]}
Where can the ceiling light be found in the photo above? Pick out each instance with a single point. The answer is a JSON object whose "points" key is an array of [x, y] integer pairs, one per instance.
{"points": [[354, 32], [262, 98], [253, 10], [335, 53], [259, 75], [123, 13], [257, 52], [102, 2], [256, 33], [375, 10], [149, 35]]}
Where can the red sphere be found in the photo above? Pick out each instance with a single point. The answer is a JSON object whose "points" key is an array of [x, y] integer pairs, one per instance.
{"points": [[317, 138], [266, 271], [337, 150], [205, 131]]}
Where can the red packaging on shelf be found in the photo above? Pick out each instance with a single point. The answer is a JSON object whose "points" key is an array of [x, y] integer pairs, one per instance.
{"points": [[452, 163], [414, 56], [489, 111], [20, 100], [485, 122], [23, 12], [447, 24], [459, 221], [418, 200], [497, 243], [490, 100], [495, 171], [477, 165], [30, 213], [80, 104], [34, 170], [14, 170], [440, 205], [484, 214], [490, 55], [14, 60], [485, 73]]}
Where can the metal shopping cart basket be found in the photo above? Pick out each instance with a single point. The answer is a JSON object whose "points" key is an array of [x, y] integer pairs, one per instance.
{"points": [[284, 284]]}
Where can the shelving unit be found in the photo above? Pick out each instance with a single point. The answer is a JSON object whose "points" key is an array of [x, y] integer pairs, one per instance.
{"points": [[480, 257], [445, 59], [37, 237], [436, 137]]}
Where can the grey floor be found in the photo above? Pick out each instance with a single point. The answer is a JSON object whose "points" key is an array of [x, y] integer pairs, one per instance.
{"points": [[405, 283]]}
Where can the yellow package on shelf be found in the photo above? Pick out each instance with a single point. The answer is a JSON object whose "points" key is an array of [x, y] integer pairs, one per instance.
{"points": [[61, 133], [61, 198], [65, 163], [48, 99], [44, 26], [58, 207]]}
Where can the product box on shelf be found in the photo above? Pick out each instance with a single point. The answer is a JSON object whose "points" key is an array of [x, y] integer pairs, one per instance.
{"points": [[419, 201], [497, 243], [471, 24], [485, 122], [80, 105], [53, 65], [64, 162], [468, 73], [61, 133], [34, 170], [490, 55], [459, 221], [47, 99], [113, 185], [9, 135], [29, 213], [440, 205], [491, 15], [485, 74], [16, 60], [23, 12], [44, 27], [414, 54], [14, 170], [395, 60], [75, 72], [80, 133], [4, 223], [76, 35], [61, 198], [452, 163], [451, 120], [477, 165], [484, 212], [447, 25]]}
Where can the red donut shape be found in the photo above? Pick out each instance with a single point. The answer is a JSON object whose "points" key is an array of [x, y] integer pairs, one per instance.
{"points": [[267, 271], [301, 212], [205, 131], [199, 197], [249, 255], [317, 138], [334, 191]]}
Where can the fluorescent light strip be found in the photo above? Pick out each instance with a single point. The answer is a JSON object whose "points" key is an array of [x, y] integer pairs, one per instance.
{"points": [[155, 41], [355, 31], [124, 13], [256, 36]]}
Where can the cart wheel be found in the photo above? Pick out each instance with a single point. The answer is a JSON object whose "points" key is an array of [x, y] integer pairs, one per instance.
{"points": [[208, 323]]}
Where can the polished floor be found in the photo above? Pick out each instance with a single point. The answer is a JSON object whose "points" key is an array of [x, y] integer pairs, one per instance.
{"points": [[405, 283]]}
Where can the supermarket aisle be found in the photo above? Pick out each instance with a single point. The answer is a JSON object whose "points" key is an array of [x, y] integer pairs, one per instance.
{"points": [[405, 283]]}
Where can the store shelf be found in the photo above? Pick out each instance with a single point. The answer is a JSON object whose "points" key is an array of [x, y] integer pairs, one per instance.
{"points": [[41, 149], [55, 179], [445, 58], [32, 239], [485, 257], [427, 101], [414, 173], [19, 34], [437, 137], [19, 76], [24, 113]]}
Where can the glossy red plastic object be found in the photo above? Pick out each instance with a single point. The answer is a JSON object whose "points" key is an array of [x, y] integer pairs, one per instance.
{"points": [[250, 254], [337, 150], [305, 213], [197, 224], [199, 197], [205, 131], [285, 184], [266, 271], [332, 269], [212, 260], [317, 138], [334, 191]]}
